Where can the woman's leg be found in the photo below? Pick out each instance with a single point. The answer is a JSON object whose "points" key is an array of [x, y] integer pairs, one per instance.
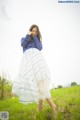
{"points": [[40, 105], [53, 106]]}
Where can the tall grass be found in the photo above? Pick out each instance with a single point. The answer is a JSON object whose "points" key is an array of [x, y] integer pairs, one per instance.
{"points": [[67, 99]]}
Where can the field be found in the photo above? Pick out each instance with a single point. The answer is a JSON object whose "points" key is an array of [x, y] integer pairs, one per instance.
{"points": [[67, 100]]}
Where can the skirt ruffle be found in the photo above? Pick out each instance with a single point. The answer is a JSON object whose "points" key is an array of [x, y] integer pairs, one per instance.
{"points": [[32, 82]]}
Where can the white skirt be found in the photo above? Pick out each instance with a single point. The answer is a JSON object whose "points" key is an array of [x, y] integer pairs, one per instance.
{"points": [[32, 82]]}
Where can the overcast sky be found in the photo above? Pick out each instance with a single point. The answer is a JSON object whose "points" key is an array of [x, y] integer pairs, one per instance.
{"points": [[59, 24]]}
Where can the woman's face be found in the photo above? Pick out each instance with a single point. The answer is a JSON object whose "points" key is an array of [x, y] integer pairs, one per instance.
{"points": [[34, 31]]}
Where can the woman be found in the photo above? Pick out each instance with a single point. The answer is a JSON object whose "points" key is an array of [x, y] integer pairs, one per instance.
{"points": [[32, 83]]}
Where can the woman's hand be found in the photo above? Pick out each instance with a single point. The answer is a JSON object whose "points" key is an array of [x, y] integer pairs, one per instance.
{"points": [[29, 32]]}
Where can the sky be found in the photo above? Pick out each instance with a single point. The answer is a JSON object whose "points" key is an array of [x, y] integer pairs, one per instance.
{"points": [[59, 24]]}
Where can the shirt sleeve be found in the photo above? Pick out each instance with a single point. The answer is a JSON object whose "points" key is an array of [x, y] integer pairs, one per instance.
{"points": [[25, 40], [38, 43]]}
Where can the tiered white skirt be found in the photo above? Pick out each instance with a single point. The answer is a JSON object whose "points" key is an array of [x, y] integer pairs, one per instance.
{"points": [[32, 82]]}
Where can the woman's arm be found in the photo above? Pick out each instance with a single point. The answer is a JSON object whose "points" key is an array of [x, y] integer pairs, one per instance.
{"points": [[38, 43], [25, 40]]}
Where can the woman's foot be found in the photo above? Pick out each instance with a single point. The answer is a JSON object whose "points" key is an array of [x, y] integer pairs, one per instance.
{"points": [[54, 107], [39, 108], [40, 105]]}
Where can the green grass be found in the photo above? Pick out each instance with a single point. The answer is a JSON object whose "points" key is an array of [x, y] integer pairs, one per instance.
{"points": [[67, 99]]}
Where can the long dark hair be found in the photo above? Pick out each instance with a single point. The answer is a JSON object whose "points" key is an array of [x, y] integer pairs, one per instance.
{"points": [[38, 31]]}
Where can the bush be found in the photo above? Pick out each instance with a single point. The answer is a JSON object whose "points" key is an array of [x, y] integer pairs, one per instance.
{"points": [[73, 83], [5, 88], [60, 86]]}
